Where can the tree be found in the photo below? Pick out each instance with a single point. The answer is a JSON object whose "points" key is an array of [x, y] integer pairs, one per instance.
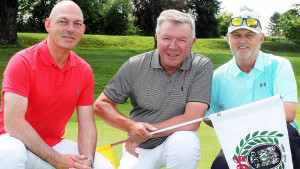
{"points": [[289, 23], [295, 10], [273, 24], [146, 12], [93, 15], [100, 16], [205, 13], [116, 19], [8, 26], [223, 21], [32, 14]]}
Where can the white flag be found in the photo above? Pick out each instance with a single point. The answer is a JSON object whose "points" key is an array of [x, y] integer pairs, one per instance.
{"points": [[254, 136]]}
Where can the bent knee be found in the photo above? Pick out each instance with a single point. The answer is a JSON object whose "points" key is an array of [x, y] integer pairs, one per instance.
{"points": [[185, 145], [184, 139], [102, 162], [12, 150]]}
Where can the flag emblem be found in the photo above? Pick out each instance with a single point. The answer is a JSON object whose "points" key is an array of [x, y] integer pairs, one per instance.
{"points": [[260, 151], [249, 141]]}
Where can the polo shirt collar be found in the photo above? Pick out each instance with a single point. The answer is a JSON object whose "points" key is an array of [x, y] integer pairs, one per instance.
{"points": [[155, 62], [259, 65], [47, 59], [235, 69]]}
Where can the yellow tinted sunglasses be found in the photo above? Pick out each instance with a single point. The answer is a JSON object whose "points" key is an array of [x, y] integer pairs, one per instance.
{"points": [[251, 22]]}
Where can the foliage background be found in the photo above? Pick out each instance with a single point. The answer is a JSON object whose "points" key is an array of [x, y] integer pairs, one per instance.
{"points": [[106, 54], [122, 17], [136, 17]]}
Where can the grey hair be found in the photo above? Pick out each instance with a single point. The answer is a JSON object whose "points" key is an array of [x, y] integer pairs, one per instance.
{"points": [[176, 17], [60, 3]]}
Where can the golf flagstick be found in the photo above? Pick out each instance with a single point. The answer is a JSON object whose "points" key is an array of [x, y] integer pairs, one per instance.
{"points": [[178, 125], [166, 129], [107, 150]]}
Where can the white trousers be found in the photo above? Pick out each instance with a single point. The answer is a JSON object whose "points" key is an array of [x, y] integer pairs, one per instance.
{"points": [[14, 155], [181, 150]]}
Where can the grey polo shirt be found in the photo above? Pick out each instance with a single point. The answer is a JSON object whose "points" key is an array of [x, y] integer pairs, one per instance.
{"points": [[156, 96]]}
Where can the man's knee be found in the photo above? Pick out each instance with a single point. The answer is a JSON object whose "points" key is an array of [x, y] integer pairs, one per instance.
{"points": [[293, 133], [12, 152], [184, 145], [294, 145], [294, 139], [220, 162], [101, 162]]}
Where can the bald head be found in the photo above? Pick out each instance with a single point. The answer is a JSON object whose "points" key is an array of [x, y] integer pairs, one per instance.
{"points": [[65, 6], [65, 26]]}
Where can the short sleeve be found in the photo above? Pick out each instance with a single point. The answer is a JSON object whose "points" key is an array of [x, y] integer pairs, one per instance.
{"points": [[16, 77], [119, 87], [87, 94], [285, 82], [214, 103], [200, 90]]}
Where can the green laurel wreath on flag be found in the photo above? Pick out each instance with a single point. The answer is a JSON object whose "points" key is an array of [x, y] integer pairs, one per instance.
{"points": [[257, 138]]}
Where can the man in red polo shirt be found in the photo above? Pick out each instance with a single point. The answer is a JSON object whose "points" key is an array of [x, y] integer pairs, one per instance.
{"points": [[42, 86]]}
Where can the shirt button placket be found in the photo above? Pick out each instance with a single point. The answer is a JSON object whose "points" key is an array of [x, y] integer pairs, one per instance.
{"points": [[60, 79]]}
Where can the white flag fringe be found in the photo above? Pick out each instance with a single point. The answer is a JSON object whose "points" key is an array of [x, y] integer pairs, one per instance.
{"points": [[254, 136]]}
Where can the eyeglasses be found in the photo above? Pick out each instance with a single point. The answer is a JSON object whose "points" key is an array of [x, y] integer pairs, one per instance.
{"points": [[251, 22]]}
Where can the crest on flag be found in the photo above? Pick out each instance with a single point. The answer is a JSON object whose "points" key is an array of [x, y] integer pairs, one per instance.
{"points": [[254, 136], [261, 151]]}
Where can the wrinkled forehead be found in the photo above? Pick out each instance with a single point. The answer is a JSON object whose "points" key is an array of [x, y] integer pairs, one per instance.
{"points": [[175, 28]]}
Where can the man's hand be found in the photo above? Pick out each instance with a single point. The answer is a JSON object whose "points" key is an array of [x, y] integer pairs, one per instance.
{"points": [[140, 132], [82, 162], [70, 161], [131, 146]]}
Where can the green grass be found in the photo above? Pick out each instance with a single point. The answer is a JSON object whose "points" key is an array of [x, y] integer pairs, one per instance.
{"points": [[106, 54]]}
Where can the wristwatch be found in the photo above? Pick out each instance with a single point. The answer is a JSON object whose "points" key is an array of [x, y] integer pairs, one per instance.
{"points": [[92, 162]]}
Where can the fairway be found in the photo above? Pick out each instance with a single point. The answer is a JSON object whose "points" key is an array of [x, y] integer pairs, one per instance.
{"points": [[106, 54]]}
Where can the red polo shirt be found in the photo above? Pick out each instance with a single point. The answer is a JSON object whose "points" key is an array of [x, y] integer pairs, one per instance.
{"points": [[52, 93]]}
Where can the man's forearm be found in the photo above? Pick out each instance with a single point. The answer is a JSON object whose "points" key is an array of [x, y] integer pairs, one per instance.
{"points": [[87, 132], [16, 125], [290, 109], [33, 142], [87, 140], [194, 110]]}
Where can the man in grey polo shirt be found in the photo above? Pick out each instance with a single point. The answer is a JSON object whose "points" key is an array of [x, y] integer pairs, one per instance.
{"points": [[167, 86]]}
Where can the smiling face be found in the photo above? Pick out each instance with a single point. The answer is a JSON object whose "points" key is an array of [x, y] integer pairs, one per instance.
{"points": [[65, 26], [245, 44], [174, 44]]}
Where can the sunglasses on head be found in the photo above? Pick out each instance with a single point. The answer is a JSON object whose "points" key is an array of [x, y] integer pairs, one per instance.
{"points": [[251, 22]]}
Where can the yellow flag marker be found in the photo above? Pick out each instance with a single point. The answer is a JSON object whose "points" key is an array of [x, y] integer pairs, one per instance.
{"points": [[107, 152]]}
